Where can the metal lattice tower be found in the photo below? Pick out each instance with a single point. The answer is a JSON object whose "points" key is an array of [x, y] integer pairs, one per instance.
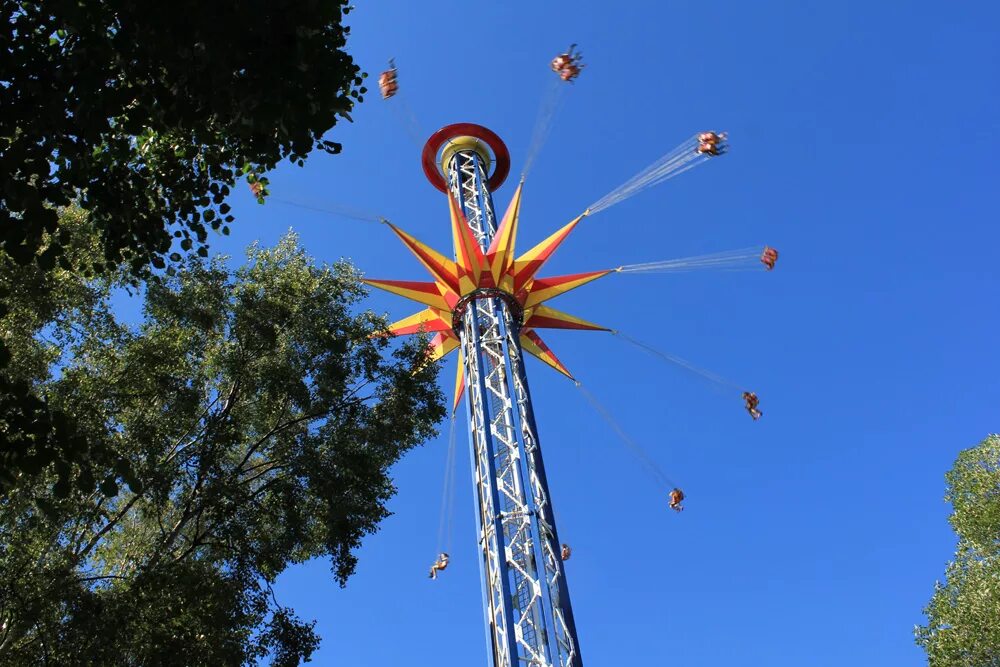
{"points": [[487, 304], [528, 613]]}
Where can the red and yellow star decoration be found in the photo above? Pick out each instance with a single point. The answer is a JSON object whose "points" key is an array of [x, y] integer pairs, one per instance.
{"points": [[496, 270]]}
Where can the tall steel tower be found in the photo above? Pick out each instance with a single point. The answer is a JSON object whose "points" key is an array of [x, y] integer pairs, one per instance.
{"points": [[528, 612], [487, 304]]}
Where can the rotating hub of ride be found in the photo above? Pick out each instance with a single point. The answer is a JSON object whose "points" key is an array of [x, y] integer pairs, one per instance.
{"points": [[513, 307], [485, 265], [439, 151]]}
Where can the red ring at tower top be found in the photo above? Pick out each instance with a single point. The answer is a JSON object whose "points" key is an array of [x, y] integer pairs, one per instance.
{"points": [[500, 153]]}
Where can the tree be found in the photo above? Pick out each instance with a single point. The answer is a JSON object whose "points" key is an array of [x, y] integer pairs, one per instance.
{"points": [[963, 628], [260, 413], [974, 491], [35, 436], [147, 113]]}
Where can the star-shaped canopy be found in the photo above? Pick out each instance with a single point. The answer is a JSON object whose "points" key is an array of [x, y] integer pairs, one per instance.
{"points": [[496, 269]]}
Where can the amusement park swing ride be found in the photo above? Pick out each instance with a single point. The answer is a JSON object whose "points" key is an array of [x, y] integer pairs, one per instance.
{"points": [[489, 303]]}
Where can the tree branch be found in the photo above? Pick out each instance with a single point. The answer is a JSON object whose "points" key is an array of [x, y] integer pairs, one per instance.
{"points": [[79, 556], [175, 450]]}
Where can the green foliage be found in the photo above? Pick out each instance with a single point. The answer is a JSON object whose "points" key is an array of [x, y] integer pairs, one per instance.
{"points": [[40, 309], [261, 413], [974, 491], [963, 628], [964, 615], [147, 114]]}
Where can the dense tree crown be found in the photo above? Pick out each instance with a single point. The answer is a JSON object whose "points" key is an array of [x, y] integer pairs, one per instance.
{"points": [[39, 305], [259, 414], [148, 112], [963, 628]]}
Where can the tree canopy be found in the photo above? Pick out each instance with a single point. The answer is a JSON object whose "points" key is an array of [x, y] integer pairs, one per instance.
{"points": [[147, 113], [260, 412], [974, 492], [40, 304], [963, 628]]}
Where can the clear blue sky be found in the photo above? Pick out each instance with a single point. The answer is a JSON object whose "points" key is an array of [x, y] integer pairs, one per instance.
{"points": [[864, 139]]}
